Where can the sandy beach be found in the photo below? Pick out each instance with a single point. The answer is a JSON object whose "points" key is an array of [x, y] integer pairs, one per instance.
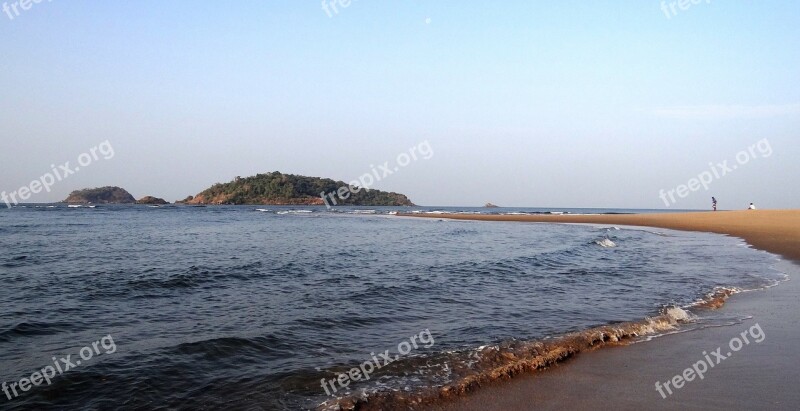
{"points": [[624, 377]]}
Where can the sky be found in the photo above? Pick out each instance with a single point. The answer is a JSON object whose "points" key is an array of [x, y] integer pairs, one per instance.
{"points": [[522, 103]]}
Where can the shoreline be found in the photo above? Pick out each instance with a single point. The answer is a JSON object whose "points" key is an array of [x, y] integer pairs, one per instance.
{"points": [[775, 231], [624, 378]]}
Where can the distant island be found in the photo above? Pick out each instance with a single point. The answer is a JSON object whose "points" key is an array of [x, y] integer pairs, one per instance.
{"points": [[490, 205], [102, 195], [287, 189], [152, 201], [109, 195], [268, 189]]}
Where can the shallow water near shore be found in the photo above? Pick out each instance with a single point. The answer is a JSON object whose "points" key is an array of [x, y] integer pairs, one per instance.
{"points": [[250, 307]]}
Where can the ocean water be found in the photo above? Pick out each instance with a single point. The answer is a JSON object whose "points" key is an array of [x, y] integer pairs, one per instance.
{"points": [[252, 307]]}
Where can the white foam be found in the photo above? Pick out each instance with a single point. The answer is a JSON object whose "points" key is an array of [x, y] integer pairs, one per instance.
{"points": [[606, 243], [364, 212], [677, 314]]}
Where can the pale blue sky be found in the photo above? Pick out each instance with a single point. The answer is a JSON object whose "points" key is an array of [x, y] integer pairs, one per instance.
{"points": [[525, 103]]}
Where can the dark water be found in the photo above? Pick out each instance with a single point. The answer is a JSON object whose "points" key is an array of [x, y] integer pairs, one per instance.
{"points": [[234, 308]]}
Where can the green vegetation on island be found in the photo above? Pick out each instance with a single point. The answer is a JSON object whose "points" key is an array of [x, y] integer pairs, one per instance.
{"points": [[287, 189]]}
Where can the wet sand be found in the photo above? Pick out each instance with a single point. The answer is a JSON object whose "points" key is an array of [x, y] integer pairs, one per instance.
{"points": [[760, 376]]}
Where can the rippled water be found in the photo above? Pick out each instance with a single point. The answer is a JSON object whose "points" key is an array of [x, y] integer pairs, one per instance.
{"points": [[231, 307]]}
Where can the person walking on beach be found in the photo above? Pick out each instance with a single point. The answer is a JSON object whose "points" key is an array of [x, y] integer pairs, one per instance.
{"points": [[752, 207], [714, 203]]}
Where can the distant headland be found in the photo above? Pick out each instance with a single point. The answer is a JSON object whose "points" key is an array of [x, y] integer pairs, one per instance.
{"points": [[262, 189], [287, 189]]}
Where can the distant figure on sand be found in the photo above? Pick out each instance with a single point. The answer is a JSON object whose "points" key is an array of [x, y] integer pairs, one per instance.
{"points": [[714, 203], [752, 207]]}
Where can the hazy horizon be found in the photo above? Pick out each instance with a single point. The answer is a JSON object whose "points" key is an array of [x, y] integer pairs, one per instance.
{"points": [[554, 104]]}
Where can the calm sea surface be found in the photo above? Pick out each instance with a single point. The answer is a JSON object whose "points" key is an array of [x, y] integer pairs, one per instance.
{"points": [[250, 307]]}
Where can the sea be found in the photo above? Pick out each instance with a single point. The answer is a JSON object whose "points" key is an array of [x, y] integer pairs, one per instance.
{"points": [[134, 307]]}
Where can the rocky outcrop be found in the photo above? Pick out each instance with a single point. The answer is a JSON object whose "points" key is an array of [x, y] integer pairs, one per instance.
{"points": [[152, 200], [102, 195]]}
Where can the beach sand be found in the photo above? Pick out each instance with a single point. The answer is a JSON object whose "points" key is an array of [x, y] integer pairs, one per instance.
{"points": [[760, 376]]}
